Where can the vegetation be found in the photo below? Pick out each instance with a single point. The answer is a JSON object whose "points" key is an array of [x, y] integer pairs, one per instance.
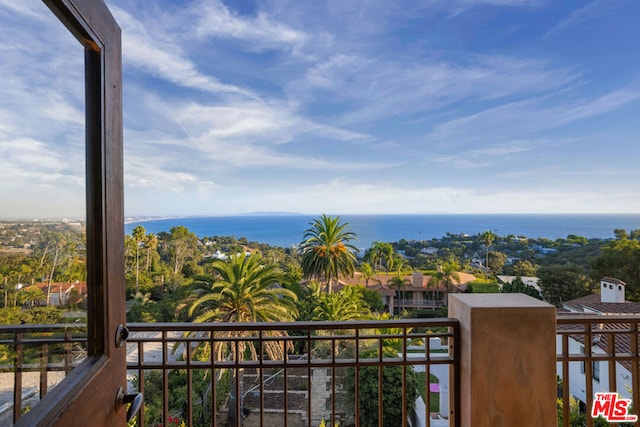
{"points": [[392, 387], [561, 283], [245, 291], [518, 286], [326, 252], [487, 238], [178, 276]]}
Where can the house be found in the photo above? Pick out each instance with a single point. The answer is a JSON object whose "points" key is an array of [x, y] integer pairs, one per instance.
{"points": [[64, 293], [415, 293], [609, 302], [527, 280]]}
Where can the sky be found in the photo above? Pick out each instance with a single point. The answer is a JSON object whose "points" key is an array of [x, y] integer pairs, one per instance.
{"points": [[340, 107]]}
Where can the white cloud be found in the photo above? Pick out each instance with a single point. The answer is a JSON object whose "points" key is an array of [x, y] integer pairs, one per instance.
{"points": [[590, 11], [532, 115], [259, 31], [489, 156], [165, 59], [380, 88]]}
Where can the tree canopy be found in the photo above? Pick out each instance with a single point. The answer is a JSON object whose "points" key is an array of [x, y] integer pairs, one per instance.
{"points": [[560, 283], [326, 250]]}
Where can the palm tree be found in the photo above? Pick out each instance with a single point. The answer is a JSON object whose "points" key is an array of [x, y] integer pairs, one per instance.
{"points": [[446, 274], [246, 291], [138, 237], [326, 251], [379, 253], [487, 238], [344, 305], [367, 272], [60, 244], [151, 244]]}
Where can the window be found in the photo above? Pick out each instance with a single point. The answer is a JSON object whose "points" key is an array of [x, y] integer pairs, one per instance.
{"points": [[595, 371]]}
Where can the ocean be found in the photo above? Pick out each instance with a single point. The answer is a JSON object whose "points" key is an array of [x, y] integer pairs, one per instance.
{"points": [[288, 230]]}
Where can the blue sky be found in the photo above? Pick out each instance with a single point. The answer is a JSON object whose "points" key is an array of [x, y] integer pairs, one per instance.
{"points": [[346, 107]]}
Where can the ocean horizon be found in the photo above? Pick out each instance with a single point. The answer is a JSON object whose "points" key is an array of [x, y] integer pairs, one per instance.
{"points": [[285, 230]]}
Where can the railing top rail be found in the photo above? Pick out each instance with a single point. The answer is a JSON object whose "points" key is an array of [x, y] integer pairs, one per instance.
{"points": [[28, 328], [294, 326], [569, 319], [301, 326]]}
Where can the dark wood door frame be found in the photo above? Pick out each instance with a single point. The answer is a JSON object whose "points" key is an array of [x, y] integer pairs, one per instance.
{"points": [[87, 396]]}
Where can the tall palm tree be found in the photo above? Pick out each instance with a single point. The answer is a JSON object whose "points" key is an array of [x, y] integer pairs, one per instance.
{"points": [[138, 237], [487, 238], [446, 274], [367, 272], [151, 244], [326, 251], [379, 253], [344, 305], [246, 291]]}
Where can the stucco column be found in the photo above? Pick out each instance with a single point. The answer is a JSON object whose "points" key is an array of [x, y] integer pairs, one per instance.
{"points": [[507, 360]]}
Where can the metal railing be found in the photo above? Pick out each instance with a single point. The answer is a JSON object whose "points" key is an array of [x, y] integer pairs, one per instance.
{"points": [[313, 376], [422, 303], [293, 374], [596, 354], [34, 358]]}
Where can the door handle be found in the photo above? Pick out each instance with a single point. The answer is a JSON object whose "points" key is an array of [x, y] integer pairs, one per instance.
{"points": [[122, 333], [134, 400]]}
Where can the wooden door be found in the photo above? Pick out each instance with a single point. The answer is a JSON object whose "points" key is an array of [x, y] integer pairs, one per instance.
{"points": [[88, 395]]}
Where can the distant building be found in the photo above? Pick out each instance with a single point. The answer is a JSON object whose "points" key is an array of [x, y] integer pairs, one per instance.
{"points": [[62, 293], [414, 294], [610, 302], [527, 280]]}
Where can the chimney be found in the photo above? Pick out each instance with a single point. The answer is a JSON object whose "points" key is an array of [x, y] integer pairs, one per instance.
{"points": [[416, 279], [612, 290]]}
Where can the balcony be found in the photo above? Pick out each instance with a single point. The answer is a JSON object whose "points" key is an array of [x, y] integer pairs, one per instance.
{"points": [[172, 364]]}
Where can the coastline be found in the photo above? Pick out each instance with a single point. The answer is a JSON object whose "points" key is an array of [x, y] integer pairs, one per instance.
{"points": [[285, 230]]}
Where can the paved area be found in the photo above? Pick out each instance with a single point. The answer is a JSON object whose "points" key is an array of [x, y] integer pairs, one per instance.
{"points": [[30, 392]]}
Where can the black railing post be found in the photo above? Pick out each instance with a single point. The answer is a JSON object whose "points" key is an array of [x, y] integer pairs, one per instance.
{"points": [[17, 377]]}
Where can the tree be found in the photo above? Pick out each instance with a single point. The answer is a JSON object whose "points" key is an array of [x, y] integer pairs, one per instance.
{"points": [[517, 286], [561, 283], [347, 304], [367, 272], [620, 259], [326, 251], [392, 390], [497, 260], [398, 282], [138, 234], [487, 239], [524, 268], [60, 244], [372, 299], [246, 291], [380, 253], [446, 274], [183, 245], [620, 233], [151, 245], [30, 296]]}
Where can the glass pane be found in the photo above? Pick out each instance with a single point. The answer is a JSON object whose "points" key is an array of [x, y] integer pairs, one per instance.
{"points": [[42, 205]]}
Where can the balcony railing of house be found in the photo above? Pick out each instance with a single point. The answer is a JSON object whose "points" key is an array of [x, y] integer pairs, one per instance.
{"points": [[33, 359], [192, 372], [172, 364], [604, 349], [425, 303]]}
